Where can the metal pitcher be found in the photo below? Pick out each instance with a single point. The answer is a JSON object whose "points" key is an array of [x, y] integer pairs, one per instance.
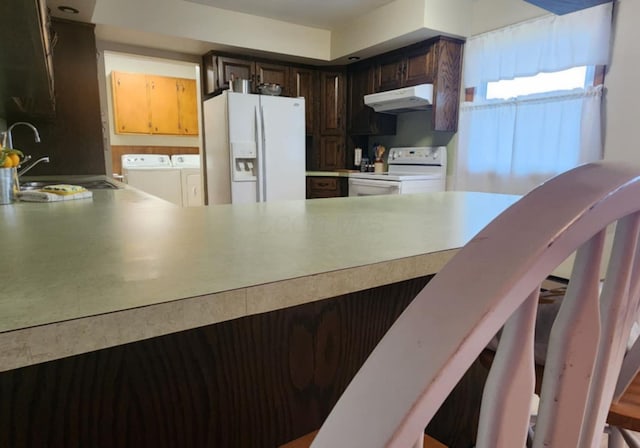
{"points": [[240, 85], [8, 182]]}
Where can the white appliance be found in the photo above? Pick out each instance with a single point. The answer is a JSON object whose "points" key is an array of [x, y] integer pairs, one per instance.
{"points": [[411, 170], [191, 176], [154, 174], [254, 148], [407, 99]]}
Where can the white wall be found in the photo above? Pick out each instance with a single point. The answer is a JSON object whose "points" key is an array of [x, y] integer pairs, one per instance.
{"points": [[400, 23], [621, 81], [489, 15], [384, 24], [413, 129], [204, 23], [114, 61], [448, 16]]}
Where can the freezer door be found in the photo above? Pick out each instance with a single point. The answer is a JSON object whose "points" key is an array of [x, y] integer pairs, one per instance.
{"points": [[282, 160], [217, 176]]}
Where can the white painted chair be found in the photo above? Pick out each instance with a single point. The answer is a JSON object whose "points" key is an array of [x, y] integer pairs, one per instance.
{"points": [[494, 282], [624, 414]]}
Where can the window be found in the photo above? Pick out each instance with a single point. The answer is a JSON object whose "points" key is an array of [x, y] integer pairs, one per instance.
{"points": [[570, 79], [522, 130]]}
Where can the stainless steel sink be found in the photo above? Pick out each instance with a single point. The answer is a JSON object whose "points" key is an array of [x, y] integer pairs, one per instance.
{"points": [[99, 184]]}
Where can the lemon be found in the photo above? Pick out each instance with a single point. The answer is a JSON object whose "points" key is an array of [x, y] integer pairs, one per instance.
{"points": [[15, 159]]}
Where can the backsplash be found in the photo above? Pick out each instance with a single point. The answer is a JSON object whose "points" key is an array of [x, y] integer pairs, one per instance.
{"points": [[414, 129]]}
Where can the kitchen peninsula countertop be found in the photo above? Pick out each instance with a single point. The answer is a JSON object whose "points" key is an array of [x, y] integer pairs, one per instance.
{"points": [[82, 275]]}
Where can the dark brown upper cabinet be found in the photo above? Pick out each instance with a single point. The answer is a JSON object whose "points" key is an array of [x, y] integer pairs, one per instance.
{"points": [[218, 70], [304, 83], [361, 119], [26, 65], [388, 73], [405, 68], [229, 68], [437, 61], [332, 103], [419, 66], [273, 74], [446, 84]]}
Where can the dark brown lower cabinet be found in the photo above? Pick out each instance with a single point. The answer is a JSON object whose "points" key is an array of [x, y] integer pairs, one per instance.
{"points": [[331, 152], [327, 187], [258, 381]]}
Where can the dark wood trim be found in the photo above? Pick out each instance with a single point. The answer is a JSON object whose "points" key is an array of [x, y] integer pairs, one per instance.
{"points": [[598, 76], [469, 94]]}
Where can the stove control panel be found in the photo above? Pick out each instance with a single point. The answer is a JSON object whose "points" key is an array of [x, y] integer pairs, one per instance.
{"points": [[426, 155]]}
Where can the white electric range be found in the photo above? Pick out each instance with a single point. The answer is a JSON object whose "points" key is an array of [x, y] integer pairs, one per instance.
{"points": [[411, 170]]}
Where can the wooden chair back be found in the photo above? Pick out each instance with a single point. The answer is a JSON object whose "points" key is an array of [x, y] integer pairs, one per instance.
{"points": [[493, 283]]}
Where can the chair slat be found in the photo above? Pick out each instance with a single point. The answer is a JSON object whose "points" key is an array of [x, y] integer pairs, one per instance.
{"points": [[572, 352], [509, 387], [615, 322], [631, 362]]}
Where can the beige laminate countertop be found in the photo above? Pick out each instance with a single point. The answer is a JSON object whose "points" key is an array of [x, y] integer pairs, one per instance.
{"points": [[83, 275]]}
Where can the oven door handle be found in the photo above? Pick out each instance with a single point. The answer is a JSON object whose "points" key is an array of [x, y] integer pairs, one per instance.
{"points": [[389, 184]]}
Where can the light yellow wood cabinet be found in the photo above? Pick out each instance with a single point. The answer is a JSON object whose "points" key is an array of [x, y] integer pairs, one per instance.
{"points": [[188, 106], [163, 105], [151, 104], [131, 103]]}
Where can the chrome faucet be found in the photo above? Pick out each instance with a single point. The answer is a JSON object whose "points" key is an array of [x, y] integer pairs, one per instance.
{"points": [[10, 138], [27, 168]]}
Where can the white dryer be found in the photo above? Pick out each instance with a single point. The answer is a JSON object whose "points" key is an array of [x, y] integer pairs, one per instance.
{"points": [[153, 174], [191, 176]]}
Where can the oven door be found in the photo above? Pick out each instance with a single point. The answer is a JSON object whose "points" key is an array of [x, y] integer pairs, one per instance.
{"points": [[372, 187]]}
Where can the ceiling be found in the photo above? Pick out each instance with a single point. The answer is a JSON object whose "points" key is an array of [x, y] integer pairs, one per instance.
{"points": [[84, 8], [326, 14]]}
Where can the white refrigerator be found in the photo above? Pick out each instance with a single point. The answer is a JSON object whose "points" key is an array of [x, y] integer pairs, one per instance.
{"points": [[254, 148]]}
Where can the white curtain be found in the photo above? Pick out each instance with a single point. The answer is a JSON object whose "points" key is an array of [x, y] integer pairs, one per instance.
{"points": [[511, 146], [547, 44]]}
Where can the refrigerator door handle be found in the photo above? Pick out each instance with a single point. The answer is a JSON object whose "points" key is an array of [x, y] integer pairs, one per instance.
{"points": [[259, 122], [262, 161]]}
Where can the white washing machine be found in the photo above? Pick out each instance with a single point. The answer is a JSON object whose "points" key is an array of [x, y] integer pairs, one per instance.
{"points": [[153, 174], [191, 176]]}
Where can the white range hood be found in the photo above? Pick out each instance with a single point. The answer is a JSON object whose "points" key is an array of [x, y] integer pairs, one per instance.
{"points": [[407, 99]]}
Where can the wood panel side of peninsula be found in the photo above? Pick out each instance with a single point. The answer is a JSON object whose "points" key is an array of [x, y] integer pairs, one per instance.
{"points": [[257, 381]]}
